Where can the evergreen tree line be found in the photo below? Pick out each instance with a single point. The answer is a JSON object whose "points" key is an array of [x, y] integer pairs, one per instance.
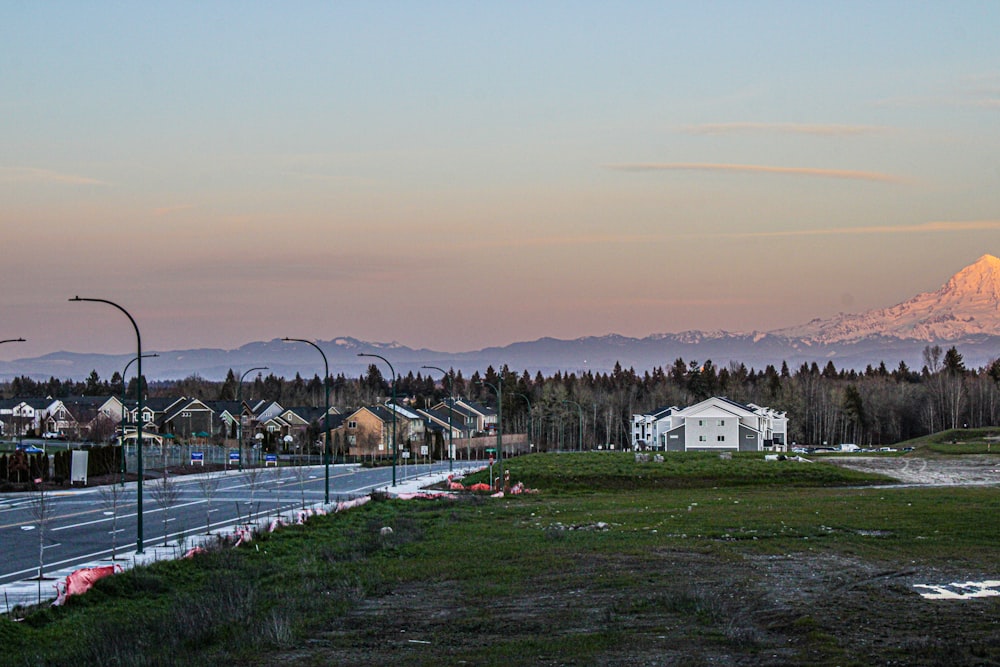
{"points": [[873, 407]]}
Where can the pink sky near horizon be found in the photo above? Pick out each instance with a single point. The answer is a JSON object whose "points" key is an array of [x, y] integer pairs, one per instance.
{"points": [[460, 178]]}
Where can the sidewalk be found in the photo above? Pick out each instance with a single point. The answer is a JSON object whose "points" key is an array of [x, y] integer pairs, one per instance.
{"points": [[29, 592]]}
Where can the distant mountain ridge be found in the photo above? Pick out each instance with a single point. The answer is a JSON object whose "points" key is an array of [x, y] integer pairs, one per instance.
{"points": [[964, 312]]}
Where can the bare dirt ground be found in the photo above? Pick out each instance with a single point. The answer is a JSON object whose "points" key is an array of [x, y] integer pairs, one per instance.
{"points": [[957, 471]]}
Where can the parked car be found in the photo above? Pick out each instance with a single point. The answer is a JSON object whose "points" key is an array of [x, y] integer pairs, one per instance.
{"points": [[30, 449], [53, 436]]}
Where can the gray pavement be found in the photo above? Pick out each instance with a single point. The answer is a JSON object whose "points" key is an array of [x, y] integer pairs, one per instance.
{"points": [[32, 591]]}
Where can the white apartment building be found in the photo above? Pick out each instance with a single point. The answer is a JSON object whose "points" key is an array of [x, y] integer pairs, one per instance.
{"points": [[715, 424]]}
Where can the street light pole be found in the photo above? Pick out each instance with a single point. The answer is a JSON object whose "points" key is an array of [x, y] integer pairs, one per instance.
{"points": [[580, 409], [498, 388], [124, 387], [19, 425], [451, 449], [239, 401], [326, 411], [138, 391], [393, 371]]}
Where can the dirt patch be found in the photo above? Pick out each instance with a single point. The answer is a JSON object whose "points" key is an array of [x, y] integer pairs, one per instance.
{"points": [[955, 471], [681, 608]]}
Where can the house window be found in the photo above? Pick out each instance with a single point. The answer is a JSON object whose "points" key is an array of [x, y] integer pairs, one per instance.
{"points": [[352, 424], [750, 436], [722, 422], [351, 439], [674, 437], [702, 438], [701, 422], [720, 438]]}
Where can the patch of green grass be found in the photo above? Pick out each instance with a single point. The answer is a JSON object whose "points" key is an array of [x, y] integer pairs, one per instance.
{"points": [[657, 574], [617, 471], [957, 442]]}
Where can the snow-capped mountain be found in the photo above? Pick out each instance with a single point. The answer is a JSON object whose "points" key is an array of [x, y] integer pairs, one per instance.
{"points": [[967, 305], [965, 313]]}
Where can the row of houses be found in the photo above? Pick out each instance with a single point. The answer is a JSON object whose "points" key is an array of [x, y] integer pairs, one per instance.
{"points": [[363, 432], [715, 424]]}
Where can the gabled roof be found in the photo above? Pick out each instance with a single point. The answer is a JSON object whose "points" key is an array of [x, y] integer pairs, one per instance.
{"points": [[402, 411], [378, 411], [219, 407], [311, 414], [38, 403], [383, 413], [272, 409], [185, 404], [93, 401], [459, 408], [439, 419], [716, 406], [748, 408], [478, 408], [160, 403]]}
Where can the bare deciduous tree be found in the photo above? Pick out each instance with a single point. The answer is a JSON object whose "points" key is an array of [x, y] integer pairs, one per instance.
{"points": [[111, 497], [209, 485], [301, 475], [255, 478], [166, 493], [41, 512]]}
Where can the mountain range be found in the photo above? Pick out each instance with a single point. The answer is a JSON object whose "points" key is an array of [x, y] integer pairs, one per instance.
{"points": [[964, 312]]}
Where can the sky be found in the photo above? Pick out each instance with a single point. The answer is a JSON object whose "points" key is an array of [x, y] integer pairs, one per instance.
{"points": [[457, 175]]}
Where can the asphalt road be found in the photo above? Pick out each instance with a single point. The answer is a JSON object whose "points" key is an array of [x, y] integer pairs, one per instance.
{"points": [[83, 525]]}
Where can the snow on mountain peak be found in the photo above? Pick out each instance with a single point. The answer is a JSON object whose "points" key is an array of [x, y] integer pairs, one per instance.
{"points": [[979, 279], [967, 304]]}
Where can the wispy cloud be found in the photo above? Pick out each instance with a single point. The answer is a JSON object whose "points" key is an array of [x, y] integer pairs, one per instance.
{"points": [[35, 175], [935, 227], [823, 130], [848, 174], [562, 241]]}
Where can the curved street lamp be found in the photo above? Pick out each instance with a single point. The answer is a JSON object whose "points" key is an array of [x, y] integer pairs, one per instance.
{"points": [[138, 391], [451, 447], [239, 401], [138, 380], [498, 388], [580, 409], [326, 411], [393, 371]]}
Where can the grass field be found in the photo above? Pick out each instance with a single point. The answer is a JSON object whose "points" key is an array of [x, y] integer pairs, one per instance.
{"points": [[692, 561]]}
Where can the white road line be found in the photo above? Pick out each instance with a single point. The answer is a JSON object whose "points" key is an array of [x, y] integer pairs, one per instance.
{"points": [[124, 516]]}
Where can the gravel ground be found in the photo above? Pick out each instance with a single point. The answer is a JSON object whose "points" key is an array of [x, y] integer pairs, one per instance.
{"points": [[957, 471]]}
